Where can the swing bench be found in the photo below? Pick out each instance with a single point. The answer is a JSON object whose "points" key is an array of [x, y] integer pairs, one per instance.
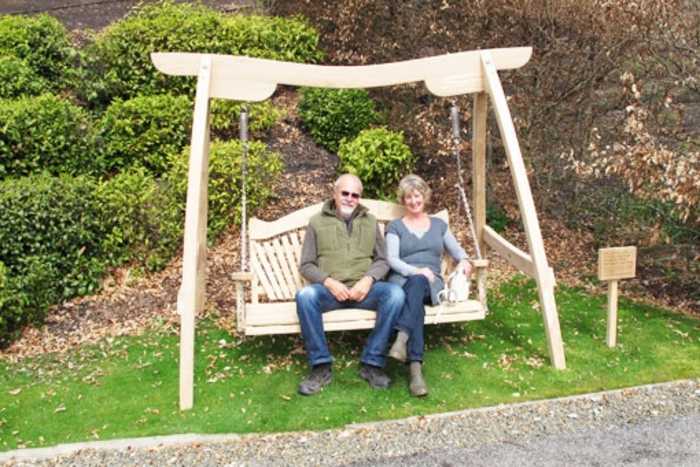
{"points": [[275, 246], [275, 249]]}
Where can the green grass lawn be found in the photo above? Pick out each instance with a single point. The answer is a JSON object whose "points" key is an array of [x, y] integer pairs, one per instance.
{"points": [[129, 386]]}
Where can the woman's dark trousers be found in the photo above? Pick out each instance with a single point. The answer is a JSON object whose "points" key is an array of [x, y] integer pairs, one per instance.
{"points": [[412, 319]]}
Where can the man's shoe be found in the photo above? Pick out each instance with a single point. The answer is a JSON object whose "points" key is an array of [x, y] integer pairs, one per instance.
{"points": [[319, 377], [375, 376], [398, 350], [417, 385]]}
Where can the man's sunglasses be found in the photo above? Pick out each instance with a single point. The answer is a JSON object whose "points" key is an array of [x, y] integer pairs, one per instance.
{"points": [[350, 193]]}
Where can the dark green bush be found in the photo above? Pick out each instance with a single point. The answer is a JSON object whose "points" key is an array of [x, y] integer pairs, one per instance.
{"points": [[24, 299], [225, 171], [287, 39], [143, 131], [42, 133], [333, 114], [380, 158], [17, 78], [146, 130], [55, 222], [141, 222], [225, 116], [42, 42], [119, 60]]}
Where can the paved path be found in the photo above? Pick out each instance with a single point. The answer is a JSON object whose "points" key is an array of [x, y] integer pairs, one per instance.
{"points": [[647, 425], [664, 441]]}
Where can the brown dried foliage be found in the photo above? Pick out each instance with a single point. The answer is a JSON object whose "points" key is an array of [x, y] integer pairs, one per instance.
{"points": [[569, 86]]}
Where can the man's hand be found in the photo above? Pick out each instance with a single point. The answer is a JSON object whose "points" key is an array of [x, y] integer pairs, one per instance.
{"points": [[338, 289], [360, 290]]}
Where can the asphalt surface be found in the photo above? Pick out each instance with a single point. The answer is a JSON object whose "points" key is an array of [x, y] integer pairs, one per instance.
{"points": [[669, 442]]}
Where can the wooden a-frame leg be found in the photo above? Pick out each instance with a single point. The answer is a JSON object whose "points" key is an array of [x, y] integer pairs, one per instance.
{"points": [[543, 273], [192, 290]]}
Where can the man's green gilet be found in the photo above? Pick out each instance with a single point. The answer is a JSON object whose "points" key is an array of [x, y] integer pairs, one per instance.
{"points": [[345, 256]]}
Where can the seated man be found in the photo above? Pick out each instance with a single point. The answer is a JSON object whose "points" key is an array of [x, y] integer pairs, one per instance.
{"points": [[343, 259]]}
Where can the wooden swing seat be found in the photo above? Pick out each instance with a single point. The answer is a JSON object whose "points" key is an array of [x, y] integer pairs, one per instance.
{"points": [[275, 251]]}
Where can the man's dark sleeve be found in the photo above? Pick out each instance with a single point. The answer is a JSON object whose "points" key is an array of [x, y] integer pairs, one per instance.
{"points": [[308, 264], [379, 266]]}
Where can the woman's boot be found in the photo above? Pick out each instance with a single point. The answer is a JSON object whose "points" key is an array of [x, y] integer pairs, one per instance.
{"points": [[417, 385], [398, 350]]}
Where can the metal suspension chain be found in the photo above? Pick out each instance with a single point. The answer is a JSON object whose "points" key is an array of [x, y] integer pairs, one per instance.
{"points": [[454, 117], [243, 133]]}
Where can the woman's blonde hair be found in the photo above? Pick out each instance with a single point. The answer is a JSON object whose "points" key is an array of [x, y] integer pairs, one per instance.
{"points": [[413, 182]]}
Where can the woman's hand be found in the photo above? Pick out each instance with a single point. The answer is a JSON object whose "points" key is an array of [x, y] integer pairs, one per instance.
{"points": [[466, 267], [427, 273]]}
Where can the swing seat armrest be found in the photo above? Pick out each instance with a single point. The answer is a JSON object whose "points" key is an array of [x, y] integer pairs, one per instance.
{"points": [[242, 276], [479, 263]]}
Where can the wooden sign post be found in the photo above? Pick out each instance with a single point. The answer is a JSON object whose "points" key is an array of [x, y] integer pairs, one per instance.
{"points": [[614, 264]]}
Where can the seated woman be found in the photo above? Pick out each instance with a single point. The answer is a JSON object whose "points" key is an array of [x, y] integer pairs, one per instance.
{"points": [[415, 244]]}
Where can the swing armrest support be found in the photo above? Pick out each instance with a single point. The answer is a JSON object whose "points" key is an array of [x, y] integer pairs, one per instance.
{"points": [[480, 269], [240, 278]]}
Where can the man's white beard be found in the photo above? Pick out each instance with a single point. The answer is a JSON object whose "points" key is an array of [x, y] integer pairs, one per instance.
{"points": [[346, 211]]}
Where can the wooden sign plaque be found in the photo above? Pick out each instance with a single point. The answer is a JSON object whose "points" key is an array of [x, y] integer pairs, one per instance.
{"points": [[617, 263]]}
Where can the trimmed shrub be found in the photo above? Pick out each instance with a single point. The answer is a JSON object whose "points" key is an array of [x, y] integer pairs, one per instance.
{"points": [[225, 173], [141, 222], [119, 59], [145, 131], [52, 224], [42, 42], [225, 116], [17, 78], [333, 114], [287, 39], [42, 133], [380, 158], [25, 299]]}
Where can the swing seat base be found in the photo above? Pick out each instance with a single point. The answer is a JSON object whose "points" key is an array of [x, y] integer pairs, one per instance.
{"points": [[281, 317]]}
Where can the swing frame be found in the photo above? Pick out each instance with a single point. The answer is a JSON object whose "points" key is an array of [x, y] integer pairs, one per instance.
{"points": [[251, 79]]}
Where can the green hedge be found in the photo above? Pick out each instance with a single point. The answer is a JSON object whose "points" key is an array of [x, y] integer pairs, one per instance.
{"points": [[333, 114], [43, 133], [380, 158], [145, 131], [143, 223], [225, 171], [57, 221], [225, 117], [18, 79], [42, 42], [287, 39], [25, 299], [119, 60], [50, 246]]}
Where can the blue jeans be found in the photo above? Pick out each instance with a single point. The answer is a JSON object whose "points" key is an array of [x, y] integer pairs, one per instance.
{"points": [[412, 318], [315, 299]]}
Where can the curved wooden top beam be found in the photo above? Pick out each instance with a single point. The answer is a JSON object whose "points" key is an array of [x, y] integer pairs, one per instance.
{"points": [[255, 79]]}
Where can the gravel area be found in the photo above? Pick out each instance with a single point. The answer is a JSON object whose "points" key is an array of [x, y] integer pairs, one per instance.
{"points": [[401, 439]]}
